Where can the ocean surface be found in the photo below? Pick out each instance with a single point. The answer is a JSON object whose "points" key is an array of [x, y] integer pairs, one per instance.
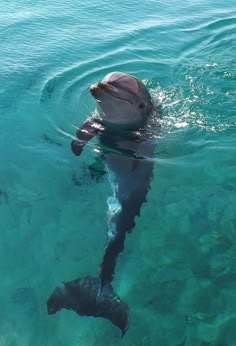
{"points": [[177, 272]]}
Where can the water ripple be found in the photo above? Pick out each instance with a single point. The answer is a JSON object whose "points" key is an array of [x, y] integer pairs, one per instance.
{"points": [[209, 36], [65, 96]]}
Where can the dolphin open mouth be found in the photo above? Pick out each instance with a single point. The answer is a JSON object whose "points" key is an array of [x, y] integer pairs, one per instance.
{"points": [[109, 89]]}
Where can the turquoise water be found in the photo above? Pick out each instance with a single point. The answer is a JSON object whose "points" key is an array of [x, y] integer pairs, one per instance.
{"points": [[178, 270]]}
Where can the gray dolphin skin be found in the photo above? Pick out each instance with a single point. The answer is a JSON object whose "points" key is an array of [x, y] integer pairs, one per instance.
{"points": [[119, 122]]}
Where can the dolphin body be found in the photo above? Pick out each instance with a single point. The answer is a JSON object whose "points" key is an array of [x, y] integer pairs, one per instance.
{"points": [[123, 107]]}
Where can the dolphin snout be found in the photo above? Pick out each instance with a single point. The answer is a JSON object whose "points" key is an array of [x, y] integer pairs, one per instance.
{"points": [[94, 88], [100, 86]]}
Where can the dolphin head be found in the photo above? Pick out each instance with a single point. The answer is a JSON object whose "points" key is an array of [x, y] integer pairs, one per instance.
{"points": [[122, 99]]}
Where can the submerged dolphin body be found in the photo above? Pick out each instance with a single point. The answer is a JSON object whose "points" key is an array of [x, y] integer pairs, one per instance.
{"points": [[120, 119]]}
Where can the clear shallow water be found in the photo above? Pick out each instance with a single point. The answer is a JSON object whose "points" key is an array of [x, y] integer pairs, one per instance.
{"points": [[177, 272]]}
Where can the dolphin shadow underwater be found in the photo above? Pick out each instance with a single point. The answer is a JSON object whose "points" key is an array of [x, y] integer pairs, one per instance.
{"points": [[124, 106]]}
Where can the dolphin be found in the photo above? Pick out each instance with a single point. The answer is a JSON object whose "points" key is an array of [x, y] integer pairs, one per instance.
{"points": [[123, 106]]}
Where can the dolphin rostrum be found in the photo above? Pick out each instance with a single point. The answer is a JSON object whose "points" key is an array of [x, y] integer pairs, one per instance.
{"points": [[120, 122]]}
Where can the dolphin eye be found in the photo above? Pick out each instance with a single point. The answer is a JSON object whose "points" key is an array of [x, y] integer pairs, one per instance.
{"points": [[141, 105]]}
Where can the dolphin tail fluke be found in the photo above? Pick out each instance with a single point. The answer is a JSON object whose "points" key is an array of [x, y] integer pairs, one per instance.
{"points": [[86, 297]]}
